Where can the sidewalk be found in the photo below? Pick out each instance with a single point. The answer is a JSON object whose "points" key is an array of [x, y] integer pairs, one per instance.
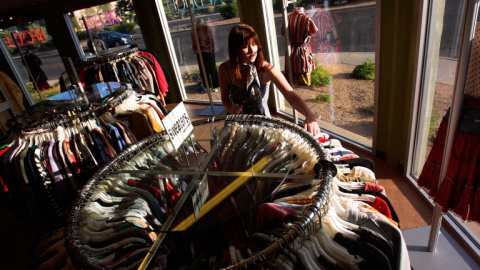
{"points": [[355, 58], [446, 69]]}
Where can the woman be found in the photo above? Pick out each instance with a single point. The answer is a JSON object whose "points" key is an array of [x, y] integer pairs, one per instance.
{"points": [[245, 79]]}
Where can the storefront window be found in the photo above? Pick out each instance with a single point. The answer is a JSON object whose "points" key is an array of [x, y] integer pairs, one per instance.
{"points": [[440, 68], [30, 45], [215, 20], [111, 26], [342, 99]]}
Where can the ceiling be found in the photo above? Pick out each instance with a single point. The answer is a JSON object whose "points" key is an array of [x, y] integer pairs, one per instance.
{"points": [[14, 12], [17, 12], [12, 5]]}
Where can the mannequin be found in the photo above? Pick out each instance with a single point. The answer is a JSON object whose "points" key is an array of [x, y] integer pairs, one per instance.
{"points": [[301, 28], [207, 48]]}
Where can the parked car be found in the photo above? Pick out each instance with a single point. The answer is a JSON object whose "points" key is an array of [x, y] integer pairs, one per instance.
{"points": [[111, 39]]}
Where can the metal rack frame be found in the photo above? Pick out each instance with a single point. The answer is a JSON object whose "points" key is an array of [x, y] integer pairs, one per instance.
{"points": [[318, 208]]}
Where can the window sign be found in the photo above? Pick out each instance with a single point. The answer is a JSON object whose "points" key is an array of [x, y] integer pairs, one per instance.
{"points": [[178, 125], [102, 20], [25, 38]]}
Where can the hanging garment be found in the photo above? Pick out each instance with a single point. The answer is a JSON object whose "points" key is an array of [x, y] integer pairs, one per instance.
{"points": [[142, 114], [141, 69], [205, 38], [323, 42], [126, 74], [48, 163], [12, 190], [149, 64], [139, 125], [37, 186], [142, 73], [361, 161], [459, 190], [301, 28], [388, 230], [157, 59]]}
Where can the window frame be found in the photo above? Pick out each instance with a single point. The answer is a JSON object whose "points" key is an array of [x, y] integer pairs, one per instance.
{"points": [[427, 17]]}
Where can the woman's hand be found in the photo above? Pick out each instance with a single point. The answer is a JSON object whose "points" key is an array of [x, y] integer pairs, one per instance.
{"points": [[235, 109], [311, 125]]}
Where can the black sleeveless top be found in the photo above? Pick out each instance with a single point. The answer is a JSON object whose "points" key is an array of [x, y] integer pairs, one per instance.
{"points": [[241, 96]]}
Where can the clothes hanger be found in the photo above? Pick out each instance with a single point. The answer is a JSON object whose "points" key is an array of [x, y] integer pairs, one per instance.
{"points": [[309, 161], [289, 258], [298, 162], [262, 148], [321, 251], [343, 223], [312, 248], [60, 133], [239, 164], [332, 248], [361, 197], [349, 185], [306, 258], [304, 195], [280, 155], [239, 139], [306, 250], [335, 226], [231, 137], [336, 206], [335, 250]]}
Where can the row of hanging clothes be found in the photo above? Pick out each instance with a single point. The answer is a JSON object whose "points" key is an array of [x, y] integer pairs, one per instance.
{"points": [[142, 112], [363, 212], [293, 211], [49, 162], [143, 69]]}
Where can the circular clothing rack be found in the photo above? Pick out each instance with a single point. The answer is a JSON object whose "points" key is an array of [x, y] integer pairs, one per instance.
{"points": [[199, 152]]}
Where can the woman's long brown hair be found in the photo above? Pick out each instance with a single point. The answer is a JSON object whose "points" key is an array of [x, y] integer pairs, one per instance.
{"points": [[240, 35]]}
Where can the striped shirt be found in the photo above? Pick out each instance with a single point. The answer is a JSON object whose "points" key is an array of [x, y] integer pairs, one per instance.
{"points": [[301, 28]]}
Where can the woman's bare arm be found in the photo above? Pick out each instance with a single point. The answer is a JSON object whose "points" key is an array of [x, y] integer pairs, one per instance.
{"points": [[274, 75]]}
